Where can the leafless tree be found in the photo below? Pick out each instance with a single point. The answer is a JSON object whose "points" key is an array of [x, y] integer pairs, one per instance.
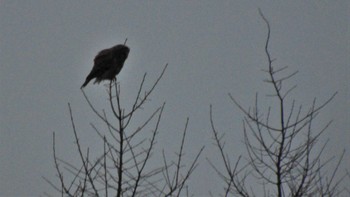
{"points": [[123, 168], [285, 159]]}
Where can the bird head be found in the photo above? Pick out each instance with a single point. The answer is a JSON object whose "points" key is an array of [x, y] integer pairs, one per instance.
{"points": [[121, 51]]}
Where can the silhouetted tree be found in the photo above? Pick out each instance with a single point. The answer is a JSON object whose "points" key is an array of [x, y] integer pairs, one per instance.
{"points": [[284, 159], [123, 168]]}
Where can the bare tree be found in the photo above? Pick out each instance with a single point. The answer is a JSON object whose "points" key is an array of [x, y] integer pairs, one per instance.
{"points": [[123, 168], [285, 159]]}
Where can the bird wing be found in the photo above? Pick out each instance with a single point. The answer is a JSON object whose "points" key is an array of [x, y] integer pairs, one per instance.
{"points": [[104, 56], [102, 63]]}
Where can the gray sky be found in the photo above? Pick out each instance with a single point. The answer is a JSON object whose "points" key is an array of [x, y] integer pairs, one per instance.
{"points": [[213, 48]]}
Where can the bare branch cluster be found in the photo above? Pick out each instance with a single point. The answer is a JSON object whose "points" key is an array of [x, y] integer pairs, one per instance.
{"points": [[123, 168], [284, 159]]}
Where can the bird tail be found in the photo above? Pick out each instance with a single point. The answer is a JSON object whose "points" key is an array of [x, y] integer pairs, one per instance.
{"points": [[85, 83]]}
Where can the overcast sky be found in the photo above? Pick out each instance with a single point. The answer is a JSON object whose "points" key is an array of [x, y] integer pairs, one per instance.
{"points": [[213, 48]]}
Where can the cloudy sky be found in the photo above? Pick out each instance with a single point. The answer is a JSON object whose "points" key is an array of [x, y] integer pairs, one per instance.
{"points": [[213, 48]]}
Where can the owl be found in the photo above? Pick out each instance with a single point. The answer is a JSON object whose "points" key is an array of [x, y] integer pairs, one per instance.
{"points": [[107, 64]]}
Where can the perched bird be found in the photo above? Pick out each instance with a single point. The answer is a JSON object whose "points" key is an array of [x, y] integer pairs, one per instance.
{"points": [[107, 64]]}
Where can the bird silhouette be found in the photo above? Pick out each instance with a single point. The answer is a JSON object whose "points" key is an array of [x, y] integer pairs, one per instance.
{"points": [[107, 64]]}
